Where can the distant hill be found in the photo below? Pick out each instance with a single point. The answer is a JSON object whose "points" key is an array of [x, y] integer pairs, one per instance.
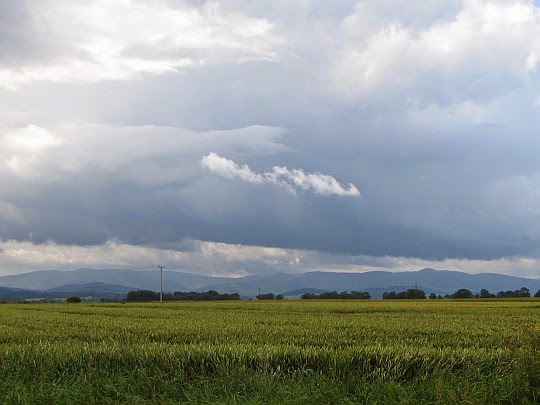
{"points": [[114, 281], [18, 294], [95, 290], [97, 286], [377, 282], [47, 279], [135, 279]]}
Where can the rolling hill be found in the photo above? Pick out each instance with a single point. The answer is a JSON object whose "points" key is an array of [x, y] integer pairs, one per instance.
{"points": [[108, 283]]}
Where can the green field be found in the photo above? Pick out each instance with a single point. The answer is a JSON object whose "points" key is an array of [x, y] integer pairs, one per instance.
{"points": [[272, 352]]}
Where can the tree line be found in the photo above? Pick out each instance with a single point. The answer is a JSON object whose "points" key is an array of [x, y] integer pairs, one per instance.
{"points": [[211, 295], [462, 293], [269, 296], [523, 292], [410, 294], [334, 295]]}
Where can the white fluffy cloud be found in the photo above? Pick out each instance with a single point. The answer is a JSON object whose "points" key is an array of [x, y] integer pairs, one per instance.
{"points": [[242, 253], [291, 179], [485, 50], [22, 147], [90, 41], [229, 169]]}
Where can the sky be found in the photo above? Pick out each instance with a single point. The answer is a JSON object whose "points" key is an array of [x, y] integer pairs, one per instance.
{"points": [[236, 137]]}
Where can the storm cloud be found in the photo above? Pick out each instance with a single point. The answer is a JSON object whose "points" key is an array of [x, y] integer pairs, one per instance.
{"points": [[256, 137]]}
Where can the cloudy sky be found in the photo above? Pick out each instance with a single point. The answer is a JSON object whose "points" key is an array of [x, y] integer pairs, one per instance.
{"points": [[239, 137]]}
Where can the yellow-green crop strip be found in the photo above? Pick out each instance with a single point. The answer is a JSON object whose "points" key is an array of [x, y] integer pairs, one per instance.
{"points": [[479, 351]]}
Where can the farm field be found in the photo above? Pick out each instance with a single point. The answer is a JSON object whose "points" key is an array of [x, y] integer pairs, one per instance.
{"points": [[433, 351]]}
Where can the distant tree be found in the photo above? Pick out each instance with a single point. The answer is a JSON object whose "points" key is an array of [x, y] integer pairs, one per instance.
{"points": [[210, 295], [269, 296], [537, 295], [73, 299], [329, 295], [505, 294], [360, 295], [523, 292], [410, 294], [279, 297], [432, 296], [415, 294], [334, 295], [486, 294], [142, 295], [462, 293]]}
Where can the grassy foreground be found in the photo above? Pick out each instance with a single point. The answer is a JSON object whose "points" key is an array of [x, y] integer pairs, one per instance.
{"points": [[272, 352]]}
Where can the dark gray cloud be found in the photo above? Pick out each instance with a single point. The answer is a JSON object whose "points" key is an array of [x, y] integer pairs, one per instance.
{"points": [[425, 200]]}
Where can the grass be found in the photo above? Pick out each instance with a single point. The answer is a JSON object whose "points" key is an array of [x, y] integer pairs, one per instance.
{"points": [[481, 351]]}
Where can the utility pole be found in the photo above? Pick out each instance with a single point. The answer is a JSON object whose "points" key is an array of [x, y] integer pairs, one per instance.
{"points": [[161, 267]]}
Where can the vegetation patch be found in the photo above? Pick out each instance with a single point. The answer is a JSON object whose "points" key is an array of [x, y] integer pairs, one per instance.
{"points": [[305, 351]]}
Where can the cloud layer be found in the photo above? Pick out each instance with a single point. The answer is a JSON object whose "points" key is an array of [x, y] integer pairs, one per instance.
{"points": [[386, 57], [137, 125], [99, 40], [230, 260]]}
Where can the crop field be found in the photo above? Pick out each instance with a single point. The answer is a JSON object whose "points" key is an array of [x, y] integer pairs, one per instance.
{"points": [[433, 351]]}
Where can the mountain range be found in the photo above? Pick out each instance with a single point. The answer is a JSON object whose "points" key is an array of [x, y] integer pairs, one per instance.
{"points": [[115, 283]]}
